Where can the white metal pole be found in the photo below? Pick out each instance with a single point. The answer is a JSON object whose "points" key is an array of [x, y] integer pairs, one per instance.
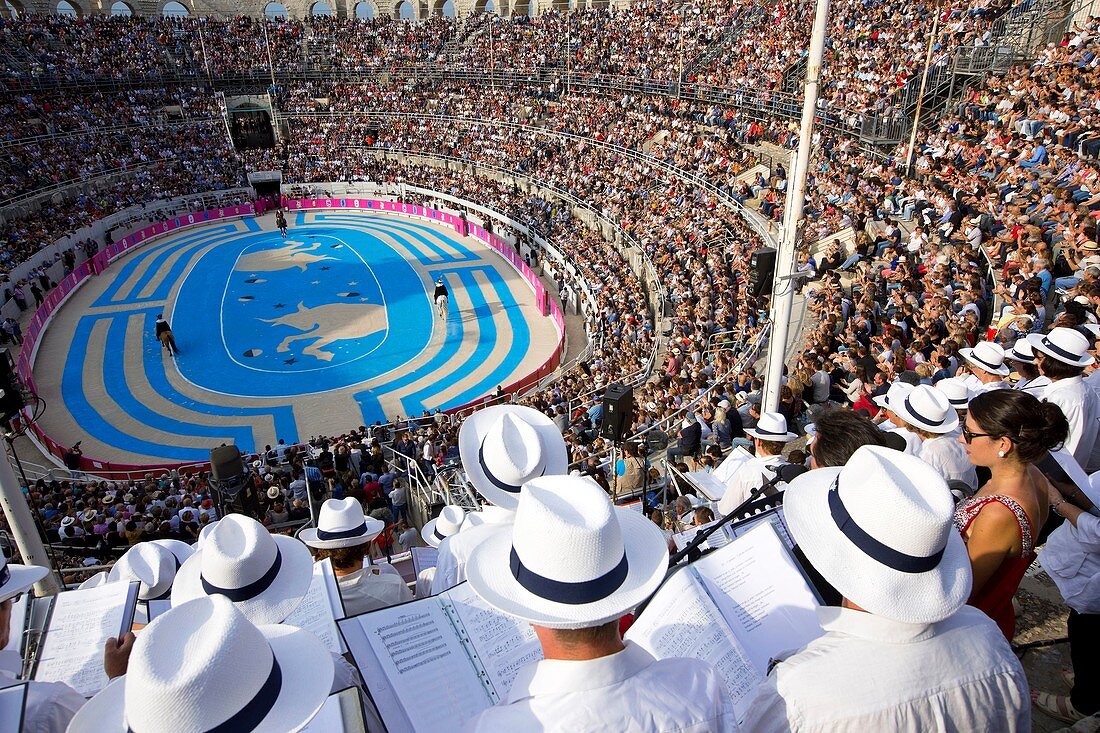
{"points": [[783, 283], [920, 95], [23, 527]]}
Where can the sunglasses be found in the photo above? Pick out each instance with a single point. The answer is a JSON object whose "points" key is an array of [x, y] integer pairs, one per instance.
{"points": [[969, 436]]}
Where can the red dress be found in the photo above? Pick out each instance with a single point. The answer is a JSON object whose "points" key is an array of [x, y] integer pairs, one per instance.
{"points": [[995, 599]]}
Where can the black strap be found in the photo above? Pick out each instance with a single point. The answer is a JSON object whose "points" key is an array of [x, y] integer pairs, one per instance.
{"points": [[343, 534], [587, 591], [5, 574], [250, 591], [871, 547], [435, 533], [983, 362], [255, 710]]}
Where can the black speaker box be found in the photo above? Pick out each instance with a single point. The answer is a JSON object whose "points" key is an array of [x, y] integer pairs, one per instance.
{"points": [[225, 464], [761, 271], [618, 409]]}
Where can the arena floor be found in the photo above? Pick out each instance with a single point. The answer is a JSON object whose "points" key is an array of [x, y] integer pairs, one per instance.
{"points": [[323, 331]]}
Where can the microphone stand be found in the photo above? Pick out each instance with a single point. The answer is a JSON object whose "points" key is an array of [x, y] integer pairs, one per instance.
{"points": [[692, 551]]}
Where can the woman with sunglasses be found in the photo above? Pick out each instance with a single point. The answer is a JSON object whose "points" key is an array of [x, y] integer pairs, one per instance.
{"points": [[1006, 431]]}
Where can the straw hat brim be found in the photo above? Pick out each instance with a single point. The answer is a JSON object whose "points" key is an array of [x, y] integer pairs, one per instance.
{"points": [[488, 515], [181, 550], [474, 430], [272, 605], [100, 578], [968, 354], [917, 598], [428, 533], [1036, 341], [373, 528], [307, 672], [490, 575], [22, 578]]}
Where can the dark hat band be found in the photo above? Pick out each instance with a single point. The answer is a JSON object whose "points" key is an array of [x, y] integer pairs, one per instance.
{"points": [[250, 591], [974, 357], [344, 533], [1064, 353], [587, 591], [871, 547]]}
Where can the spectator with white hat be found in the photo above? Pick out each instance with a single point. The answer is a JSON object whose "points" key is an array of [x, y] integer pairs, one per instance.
{"points": [[50, 705], [986, 362], [888, 419], [903, 652], [501, 447], [203, 666], [589, 679], [1062, 356], [769, 438], [957, 393], [930, 415], [448, 523], [343, 534], [1022, 358], [265, 575]]}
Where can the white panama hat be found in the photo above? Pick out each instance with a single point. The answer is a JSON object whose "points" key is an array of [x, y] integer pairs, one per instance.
{"points": [[152, 565], [100, 578], [988, 356], [204, 667], [504, 446], [205, 532], [771, 426], [880, 530], [265, 575], [895, 395], [927, 408], [1067, 345], [448, 522], [956, 391], [488, 515], [341, 523], [1021, 351], [571, 560], [14, 579]]}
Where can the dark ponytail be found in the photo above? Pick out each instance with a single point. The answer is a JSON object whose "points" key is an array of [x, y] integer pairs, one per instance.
{"points": [[1034, 427]]}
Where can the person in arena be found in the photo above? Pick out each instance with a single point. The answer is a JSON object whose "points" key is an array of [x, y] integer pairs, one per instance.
{"points": [[589, 678], [440, 298], [163, 333]]}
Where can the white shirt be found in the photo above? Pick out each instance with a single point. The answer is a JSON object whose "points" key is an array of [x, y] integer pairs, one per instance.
{"points": [[990, 386], [50, 705], [912, 440], [1092, 381], [370, 589], [1037, 386], [1081, 408], [454, 551], [626, 692], [869, 673], [751, 475], [1072, 559], [946, 455]]}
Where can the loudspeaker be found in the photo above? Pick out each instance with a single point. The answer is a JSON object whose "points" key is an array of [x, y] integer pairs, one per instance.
{"points": [[226, 466], [761, 271], [618, 408]]}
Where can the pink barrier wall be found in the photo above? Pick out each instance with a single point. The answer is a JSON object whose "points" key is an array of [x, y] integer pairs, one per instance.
{"points": [[32, 335], [546, 304]]}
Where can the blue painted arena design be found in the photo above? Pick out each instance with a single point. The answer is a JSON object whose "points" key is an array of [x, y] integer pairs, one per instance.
{"points": [[332, 327]]}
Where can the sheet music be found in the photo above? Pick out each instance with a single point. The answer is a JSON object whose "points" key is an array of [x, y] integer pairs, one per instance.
{"points": [[762, 594], [316, 612], [504, 645], [720, 538], [80, 624], [423, 558], [682, 621], [416, 668], [772, 517], [727, 468], [13, 700]]}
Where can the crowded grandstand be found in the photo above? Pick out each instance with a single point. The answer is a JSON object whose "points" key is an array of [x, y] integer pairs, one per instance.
{"points": [[900, 466]]}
